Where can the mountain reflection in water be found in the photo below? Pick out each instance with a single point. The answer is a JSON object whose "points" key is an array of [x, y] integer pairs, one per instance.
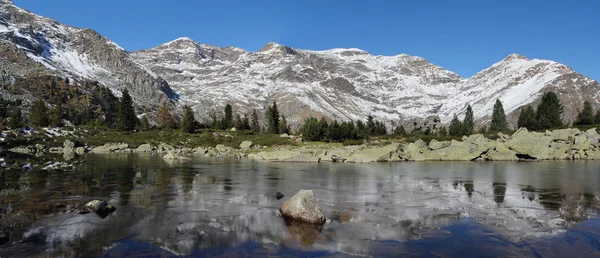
{"points": [[209, 207]]}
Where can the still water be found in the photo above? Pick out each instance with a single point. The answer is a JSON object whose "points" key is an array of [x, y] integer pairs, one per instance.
{"points": [[227, 207]]}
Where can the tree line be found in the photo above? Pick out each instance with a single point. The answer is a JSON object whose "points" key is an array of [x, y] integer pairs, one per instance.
{"points": [[315, 129]]}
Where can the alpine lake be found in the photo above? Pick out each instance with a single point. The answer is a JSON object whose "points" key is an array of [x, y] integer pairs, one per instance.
{"points": [[226, 207]]}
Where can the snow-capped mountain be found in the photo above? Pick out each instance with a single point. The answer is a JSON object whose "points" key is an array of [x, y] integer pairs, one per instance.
{"points": [[340, 84], [76, 53], [351, 83]]}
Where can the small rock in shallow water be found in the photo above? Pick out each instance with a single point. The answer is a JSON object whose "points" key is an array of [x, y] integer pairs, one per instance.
{"points": [[279, 195]]}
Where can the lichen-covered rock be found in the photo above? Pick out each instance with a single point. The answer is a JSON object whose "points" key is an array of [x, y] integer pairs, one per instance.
{"points": [[111, 147], [303, 207], [530, 144], [374, 154], [435, 144], [245, 145], [145, 148]]}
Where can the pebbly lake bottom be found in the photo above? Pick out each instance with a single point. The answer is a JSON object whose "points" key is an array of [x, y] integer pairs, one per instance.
{"points": [[210, 207]]}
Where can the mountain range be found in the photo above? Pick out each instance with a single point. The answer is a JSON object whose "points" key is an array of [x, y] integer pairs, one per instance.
{"points": [[343, 84]]}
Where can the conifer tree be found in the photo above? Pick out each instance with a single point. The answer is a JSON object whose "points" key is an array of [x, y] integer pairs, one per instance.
{"points": [[245, 123], [362, 131], [527, 118], [499, 123], [39, 114], [283, 127], [443, 131], [273, 119], [228, 118], [468, 122], [400, 131], [165, 118], [311, 130], [15, 119], [188, 122], [598, 116], [456, 127], [238, 123], [586, 116], [324, 127], [334, 131], [549, 111], [144, 124], [56, 116], [126, 113], [255, 122]]}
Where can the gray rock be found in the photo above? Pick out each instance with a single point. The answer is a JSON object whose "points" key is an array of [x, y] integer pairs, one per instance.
{"points": [[435, 144], [111, 147], [199, 151], [303, 207], [145, 148], [245, 145], [68, 144]]}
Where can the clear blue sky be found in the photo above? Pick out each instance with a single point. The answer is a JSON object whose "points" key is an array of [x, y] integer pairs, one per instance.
{"points": [[462, 36]]}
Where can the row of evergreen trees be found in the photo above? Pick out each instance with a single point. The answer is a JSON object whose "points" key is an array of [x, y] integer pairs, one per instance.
{"points": [[275, 123], [320, 130], [546, 116]]}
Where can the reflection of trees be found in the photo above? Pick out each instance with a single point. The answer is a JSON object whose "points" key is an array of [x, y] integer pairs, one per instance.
{"points": [[499, 192], [187, 178], [468, 185], [125, 182]]}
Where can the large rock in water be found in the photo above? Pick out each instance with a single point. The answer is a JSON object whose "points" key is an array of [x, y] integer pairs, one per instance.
{"points": [[101, 208], [303, 207]]}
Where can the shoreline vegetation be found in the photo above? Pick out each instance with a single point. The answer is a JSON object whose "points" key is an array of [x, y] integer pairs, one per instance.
{"points": [[317, 140]]}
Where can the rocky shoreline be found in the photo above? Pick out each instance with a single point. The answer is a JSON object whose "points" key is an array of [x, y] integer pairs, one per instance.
{"points": [[562, 144]]}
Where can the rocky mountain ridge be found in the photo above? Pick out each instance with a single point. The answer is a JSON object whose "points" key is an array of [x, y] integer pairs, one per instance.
{"points": [[343, 84], [349, 84]]}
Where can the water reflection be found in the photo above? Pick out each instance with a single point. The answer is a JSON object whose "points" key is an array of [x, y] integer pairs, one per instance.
{"points": [[199, 205]]}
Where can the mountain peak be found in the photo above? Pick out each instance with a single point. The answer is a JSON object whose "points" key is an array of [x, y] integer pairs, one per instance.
{"points": [[515, 57], [269, 46], [180, 40]]}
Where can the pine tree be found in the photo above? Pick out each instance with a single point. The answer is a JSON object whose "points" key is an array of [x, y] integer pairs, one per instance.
{"points": [[144, 124], [39, 114], [499, 123], [549, 111], [362, 131], [165, 118], [443, 131], [483, 130], [400, 131], [255, 122], [245, 123], [311, 130], [188, 122], [334, 132], [527, 118], [586, 116], [456, 127], [228, 118], [283, 127], [126, 113], [598, 116], [371, 125], [15, 119], [324, 127], [273, 119], [56, 116], [468, 122]]}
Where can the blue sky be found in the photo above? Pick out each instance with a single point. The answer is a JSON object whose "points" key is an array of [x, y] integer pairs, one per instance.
{"points": [[460, 35]]}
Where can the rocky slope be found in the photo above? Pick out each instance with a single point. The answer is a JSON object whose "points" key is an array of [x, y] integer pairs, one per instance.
{"points": [[351, 83], [72, 52]]}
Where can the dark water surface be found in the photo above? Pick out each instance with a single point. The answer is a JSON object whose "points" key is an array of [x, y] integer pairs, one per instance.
{"points": [[226, 207]]}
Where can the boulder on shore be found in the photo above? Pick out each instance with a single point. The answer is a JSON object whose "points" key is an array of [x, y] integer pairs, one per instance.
{"points": [[303, 207]]}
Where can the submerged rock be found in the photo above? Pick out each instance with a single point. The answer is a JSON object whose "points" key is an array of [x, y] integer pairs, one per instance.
{"points": [[279, 195], [303, 207], [101, 208]]}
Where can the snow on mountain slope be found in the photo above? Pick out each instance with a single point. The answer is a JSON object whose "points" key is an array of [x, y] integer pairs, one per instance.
{"points": [[79, 53], [351, 83]]}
